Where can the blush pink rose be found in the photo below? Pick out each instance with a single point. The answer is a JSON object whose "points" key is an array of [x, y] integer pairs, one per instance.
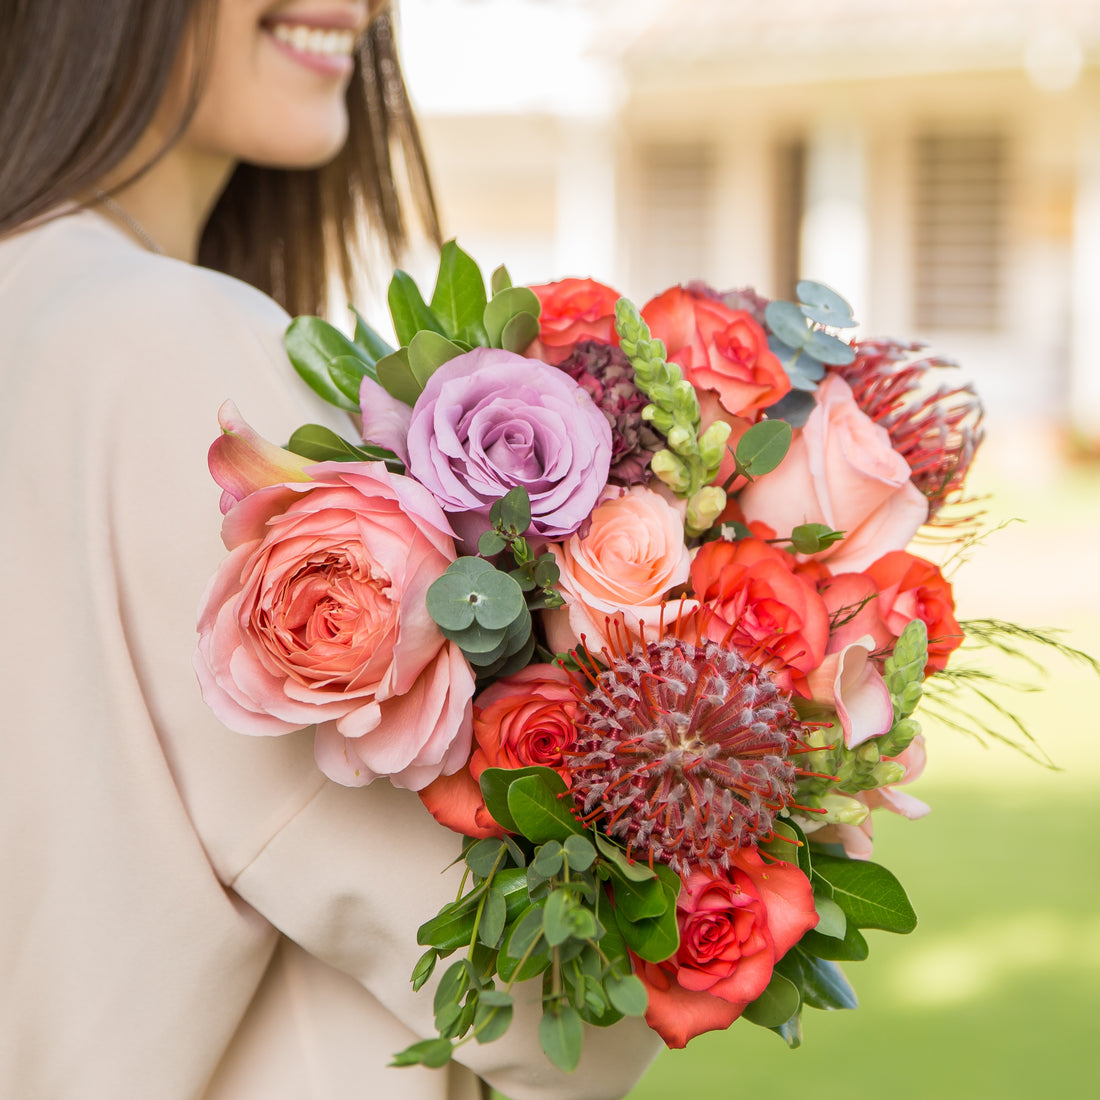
{"points": [[733, 930], [719, 349], [318, 616], [522, 720], [630, 557], [573, 310], [841, 471]]}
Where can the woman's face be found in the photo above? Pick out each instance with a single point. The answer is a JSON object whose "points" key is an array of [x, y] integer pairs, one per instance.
{"points": [[274, 89]]}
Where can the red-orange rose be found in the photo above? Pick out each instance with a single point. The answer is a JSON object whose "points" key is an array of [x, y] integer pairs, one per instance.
{"points": [[732, 932], [522, 720], [573, 310], [775, 618], [912, 588], [719, 349]]}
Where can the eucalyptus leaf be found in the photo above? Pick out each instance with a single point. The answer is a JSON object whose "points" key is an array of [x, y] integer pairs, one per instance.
{"points": [[491, 543], [788, 322], [548, 858], [822, 304], [627, 994], [795, 407], [408, 309], [424, 968], [561, 1035], [433, 1053], [514, 510], [828, 349], [580, 853], [556, 924], [452, 986], [484, 856], [494, 916], [870, 895], [491, 1021]]}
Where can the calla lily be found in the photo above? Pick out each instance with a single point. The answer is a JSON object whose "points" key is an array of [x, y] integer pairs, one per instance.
{"points": [[242, 461], [849, 681]]}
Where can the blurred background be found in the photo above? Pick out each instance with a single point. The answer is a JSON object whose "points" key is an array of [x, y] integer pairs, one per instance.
{"points": [[939, 163]]}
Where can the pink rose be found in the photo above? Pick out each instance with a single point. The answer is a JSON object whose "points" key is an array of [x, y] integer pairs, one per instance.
{"points": [[718, 349], [732, 932], [317, 615], [631, 555], [522, 720], [849, 682], [841, 471]]}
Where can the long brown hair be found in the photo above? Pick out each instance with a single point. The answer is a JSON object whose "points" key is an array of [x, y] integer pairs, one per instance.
{"points": [[80, 82]]}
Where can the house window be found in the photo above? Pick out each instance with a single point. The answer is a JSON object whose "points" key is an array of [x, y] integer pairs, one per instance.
{"points": [[960, 193]]}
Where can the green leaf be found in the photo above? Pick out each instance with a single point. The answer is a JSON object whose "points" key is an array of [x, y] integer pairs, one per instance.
{"points": [[792, 848], [626, 994], [791, 1031], [809, 538], [823, 305], [653, 939], [513, 511], [408, 309], [374, 347], [428, 351], [870, 896], [395, 376], [347, 373], [828, 349], [459, 297], [831, 919], [852, 948], [500, 280], [491, 543], [580, 853], [556, 924], [425, 965], [519, 332], [495, 782], [483, 856], [452, 927], [776, 1005], [561, 1034], [324, 445], [538, 812], [453, 984], [448, 601], [624, 866], [312, 344], [637, 900], [548, 858], [493, 918], [491, 1020], [504, 306], [433, 1053], [763, 447], [824, 984]]}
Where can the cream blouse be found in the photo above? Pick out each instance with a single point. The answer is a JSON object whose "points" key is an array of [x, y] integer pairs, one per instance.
{"points": [[184, 911]]}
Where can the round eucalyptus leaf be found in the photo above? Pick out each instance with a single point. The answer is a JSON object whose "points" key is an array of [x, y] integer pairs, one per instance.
{"points": [[822, 304], [497, 599], [448, 601], [795, 408], [827, 348], [787, 321]]}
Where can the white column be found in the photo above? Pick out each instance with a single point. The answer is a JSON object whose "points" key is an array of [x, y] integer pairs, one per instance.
{"points": [[1084, 380], [835, 223]]}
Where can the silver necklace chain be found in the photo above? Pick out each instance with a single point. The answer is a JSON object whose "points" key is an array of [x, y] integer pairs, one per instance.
{"points": [[129, 221]]}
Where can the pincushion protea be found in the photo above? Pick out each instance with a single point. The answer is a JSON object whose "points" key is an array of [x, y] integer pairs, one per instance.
{"points": [[682, 752], [936, 430], [605, 372]]}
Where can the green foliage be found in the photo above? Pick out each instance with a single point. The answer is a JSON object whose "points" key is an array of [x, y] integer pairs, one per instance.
{"points": [[537, 904], [324, 445], [327, 361], [762, 448], [801, 346], [809, 538]]}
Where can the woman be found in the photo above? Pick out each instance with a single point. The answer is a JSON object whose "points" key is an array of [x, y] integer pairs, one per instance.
{"points": [[188, 912]]}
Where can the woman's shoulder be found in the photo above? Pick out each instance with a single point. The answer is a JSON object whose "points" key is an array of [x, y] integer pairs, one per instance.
{"points": [[78, 276]]}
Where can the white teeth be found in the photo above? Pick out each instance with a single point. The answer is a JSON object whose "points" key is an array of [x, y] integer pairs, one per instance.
{"points": [[330, 43]]}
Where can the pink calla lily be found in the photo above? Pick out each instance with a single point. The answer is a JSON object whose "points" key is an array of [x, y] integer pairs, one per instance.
{"points": [[242, 461]]}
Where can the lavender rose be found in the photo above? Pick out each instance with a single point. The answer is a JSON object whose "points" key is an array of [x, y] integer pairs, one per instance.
{"points": [[488, 421]]}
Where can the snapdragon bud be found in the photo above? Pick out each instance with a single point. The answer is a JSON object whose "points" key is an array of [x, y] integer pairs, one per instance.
{"points": [[712, 444], [704, 508], [671, 470]]}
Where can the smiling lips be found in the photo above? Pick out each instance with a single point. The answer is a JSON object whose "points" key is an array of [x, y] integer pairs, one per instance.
{"points": [[316, 41]]}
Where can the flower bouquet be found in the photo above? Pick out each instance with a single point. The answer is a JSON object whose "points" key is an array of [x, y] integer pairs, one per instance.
{"points": [[625, 597]]}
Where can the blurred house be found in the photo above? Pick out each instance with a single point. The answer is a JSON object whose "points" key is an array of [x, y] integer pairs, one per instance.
{"points": [[938, 162]]}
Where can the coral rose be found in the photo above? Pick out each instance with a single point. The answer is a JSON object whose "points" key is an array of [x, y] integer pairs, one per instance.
{"points": [[841, 471], [573, 310], [719, 349], [631, 555], [912, 588], [733, 930], [522, 720], [757, 603], [318, 615]]}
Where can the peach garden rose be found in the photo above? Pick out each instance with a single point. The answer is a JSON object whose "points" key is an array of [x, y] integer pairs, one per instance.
{"points": [[318, 616]]}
